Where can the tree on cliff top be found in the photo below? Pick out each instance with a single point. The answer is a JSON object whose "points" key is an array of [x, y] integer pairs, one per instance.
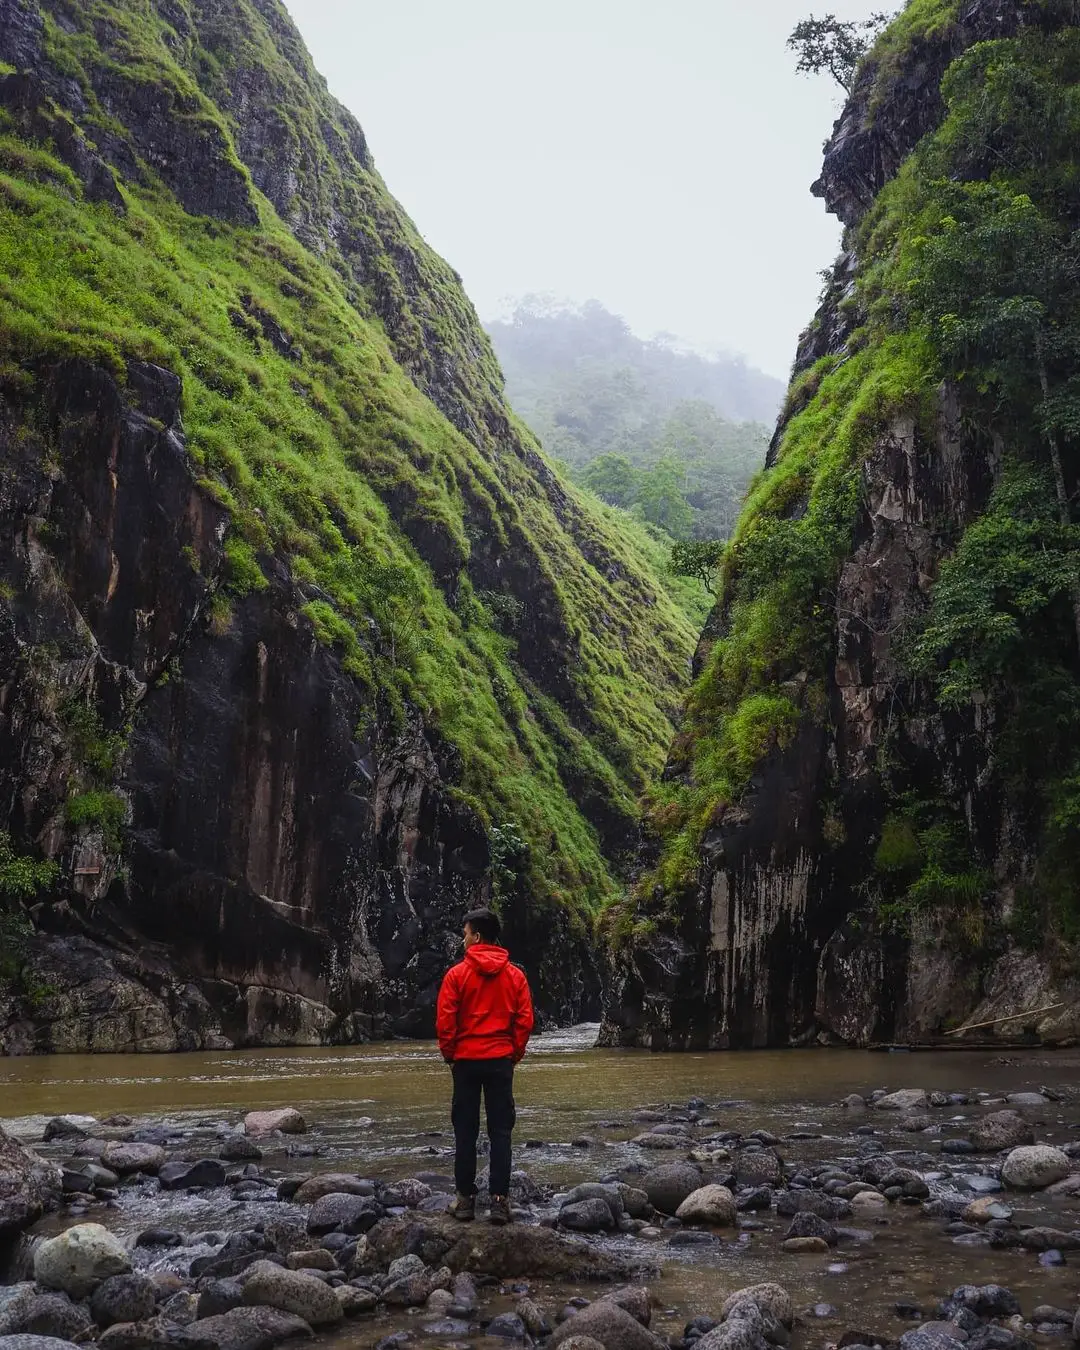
{"points": [[833, 45]]}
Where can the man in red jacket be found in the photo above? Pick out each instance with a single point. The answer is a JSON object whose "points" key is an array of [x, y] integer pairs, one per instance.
{"points": [[483, 1021]]}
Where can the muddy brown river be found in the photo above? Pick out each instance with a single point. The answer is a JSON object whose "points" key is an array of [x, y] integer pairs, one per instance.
{"points": [[574, 1124]]}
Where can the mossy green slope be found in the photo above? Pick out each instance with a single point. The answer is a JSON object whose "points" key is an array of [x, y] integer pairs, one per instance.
{"points": [[946, 288], [341, 400]]}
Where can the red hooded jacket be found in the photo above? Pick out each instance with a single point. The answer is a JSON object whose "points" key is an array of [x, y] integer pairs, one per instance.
{"points": [[485, 1008]]}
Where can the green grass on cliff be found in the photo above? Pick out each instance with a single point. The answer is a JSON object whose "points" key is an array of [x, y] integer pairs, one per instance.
{"points": [[999, 618], [330, 455]]}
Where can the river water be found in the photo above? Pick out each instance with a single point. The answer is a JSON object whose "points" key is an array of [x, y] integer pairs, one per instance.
{"points": [[574, 1124]]}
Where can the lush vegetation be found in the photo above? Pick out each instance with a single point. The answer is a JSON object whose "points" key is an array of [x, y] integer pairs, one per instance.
{"points": [[669, 435], [969, 271], [317, 385]]}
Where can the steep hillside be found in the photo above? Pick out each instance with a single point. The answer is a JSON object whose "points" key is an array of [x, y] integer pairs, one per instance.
{"points": [[303, 646], [870, 824]]}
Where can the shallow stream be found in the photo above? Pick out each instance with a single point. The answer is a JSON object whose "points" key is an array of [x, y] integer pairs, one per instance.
{"points": [[574, 1124]]}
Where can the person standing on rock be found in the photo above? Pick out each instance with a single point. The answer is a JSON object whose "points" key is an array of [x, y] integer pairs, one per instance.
{"points": [[484, 1019]]}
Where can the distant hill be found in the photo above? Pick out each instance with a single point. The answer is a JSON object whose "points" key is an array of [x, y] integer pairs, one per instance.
{"points": [[648, 426]]}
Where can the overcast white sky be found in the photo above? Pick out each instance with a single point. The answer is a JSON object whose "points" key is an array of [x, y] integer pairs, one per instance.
{"points": [[653, 154]]}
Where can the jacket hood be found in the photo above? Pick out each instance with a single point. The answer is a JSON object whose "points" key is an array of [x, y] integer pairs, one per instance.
{"points": [[486, 958]]}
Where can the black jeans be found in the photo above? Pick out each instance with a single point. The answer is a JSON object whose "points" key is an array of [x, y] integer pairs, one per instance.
{"points": [[495, 1079]]}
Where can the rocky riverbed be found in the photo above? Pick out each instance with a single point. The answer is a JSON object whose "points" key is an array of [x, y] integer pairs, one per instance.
{"points": [[925, 1219]]}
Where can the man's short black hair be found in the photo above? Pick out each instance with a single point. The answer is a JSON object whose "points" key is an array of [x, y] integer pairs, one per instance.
{"points": [[484, 922]]}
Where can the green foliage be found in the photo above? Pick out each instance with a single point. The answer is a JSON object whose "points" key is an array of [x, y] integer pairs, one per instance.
{"points": [[22, 877], [326, 451], [700, 558], [99, 810], [1012, 573], [834, 45], [614, 408], [95, 749], [510, 859]]}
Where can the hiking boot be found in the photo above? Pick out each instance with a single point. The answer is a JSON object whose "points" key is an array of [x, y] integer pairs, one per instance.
{"points": [[464, 1208], [500, 1210]]}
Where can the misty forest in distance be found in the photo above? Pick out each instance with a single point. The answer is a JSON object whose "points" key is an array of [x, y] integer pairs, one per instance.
{"points": [[653, 428]]}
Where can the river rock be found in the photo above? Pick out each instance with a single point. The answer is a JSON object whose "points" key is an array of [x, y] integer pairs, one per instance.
{"points": [[318, 1258], [21, 1341], [853, 1102], [124, 1158], [287, 1120], [670, 1142], [220, 1296], [1001, 1129], [205, 1174], [635, 1201], [507, 1326], [933, 1336], [586, 1216], [69, 1127], [582, 1343], [350, 1213], [867, 1202], [708, 1204], [984, 1209], [769, 1297], [802, 1246], [668, 1185], [606, 1322], [245, 1329], [634, 1299], [1027, 1099], [355, 1301], [79, 1259], [985, 1300], [610, 1195], [807, 1225], [28, 1186], [239, 1148], [510, 1253], [46, 1315], [1035, 1166], [291, 1291], [758, 1167], [123, 1298], [407, 1193], [906, 1100], [331, 1183]]}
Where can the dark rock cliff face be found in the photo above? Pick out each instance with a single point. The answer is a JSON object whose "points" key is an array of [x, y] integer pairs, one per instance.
{"points": [[779, 942], [284, 881]]}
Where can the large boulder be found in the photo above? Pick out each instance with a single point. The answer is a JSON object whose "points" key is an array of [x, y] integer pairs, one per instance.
{"points": [[612, 1326], [21, 1341], [514, 1252], [243, 1329], [349, 1213], [612, 1196], [123, 1298], [586, 1216], [124, 1158], [291, 1291], [45, 1315], [907, 1099], [771, 1298], [1001, 1129], [79, 1259], [28, 1186], [331, 1183], [708, 1204], [203, 1175], [287, 1120], [758, 1167], [1033, 1167], [668, 1185]]}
